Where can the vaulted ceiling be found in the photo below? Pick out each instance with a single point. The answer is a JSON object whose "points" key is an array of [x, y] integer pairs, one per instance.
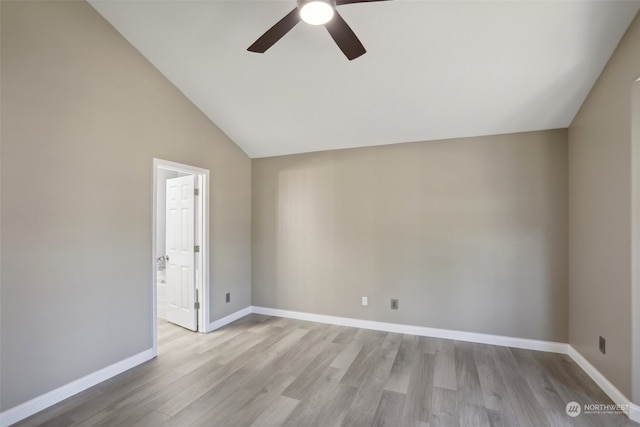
{"points": [[433, 69]]}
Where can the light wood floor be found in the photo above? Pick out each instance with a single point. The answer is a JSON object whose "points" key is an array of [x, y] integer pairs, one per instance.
{"points": [[267, 371]]}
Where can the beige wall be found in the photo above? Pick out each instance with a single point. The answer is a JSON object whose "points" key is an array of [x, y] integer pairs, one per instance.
{"points": [[83, 116], [468, 234], [600, 216]]}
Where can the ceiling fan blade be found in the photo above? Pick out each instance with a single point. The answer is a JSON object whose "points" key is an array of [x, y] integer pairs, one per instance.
{"points": [[276, 32], [344, 37], [341, 2]]}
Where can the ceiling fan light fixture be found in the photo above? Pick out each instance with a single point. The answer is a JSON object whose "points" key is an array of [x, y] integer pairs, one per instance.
{"points": [[316, 12]]}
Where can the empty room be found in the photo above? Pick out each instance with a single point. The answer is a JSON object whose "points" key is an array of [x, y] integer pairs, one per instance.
{"points": [[320, 213]]}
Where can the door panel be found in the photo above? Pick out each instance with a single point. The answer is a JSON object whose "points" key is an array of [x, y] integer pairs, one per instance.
{"points": [[180, 234]]}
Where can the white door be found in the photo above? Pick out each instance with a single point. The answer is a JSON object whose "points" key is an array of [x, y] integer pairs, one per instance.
{"points": [[181, 286]]}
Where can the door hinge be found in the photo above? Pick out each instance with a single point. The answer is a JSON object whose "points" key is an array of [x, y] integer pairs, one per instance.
{"points": [[196, 248], [196, 305], [196, 191]]}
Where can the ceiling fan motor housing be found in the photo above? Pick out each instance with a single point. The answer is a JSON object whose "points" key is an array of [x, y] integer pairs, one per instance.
{"points": [[301, 3], [316, 12]]}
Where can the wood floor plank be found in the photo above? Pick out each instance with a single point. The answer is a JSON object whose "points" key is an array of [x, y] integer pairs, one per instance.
{"points": [[126, 405], [369, 336], [370, 391], [212, 373], [332, 412], [318, 372], [237, 346], [152, 419], [501, 419], [522, 398], [361, 367], [232, 383], [347, 355], [263, 370], [345, 335], [215, 341], [276, 414], [400, 375], [274, 352], [445, 365], [224, 407], [389, 410], [445, 408], [496, 396], [261, 402], [472, 415], [391, 345], [313, 397], [298, 358], [196, 362], [467, 379], [427, 344], [537, 378], [260, 327], [286, 342], [188, 416], [417, 407]]}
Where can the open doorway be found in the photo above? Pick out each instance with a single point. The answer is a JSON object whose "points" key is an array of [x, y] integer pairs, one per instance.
{"points": [[180, 268]]}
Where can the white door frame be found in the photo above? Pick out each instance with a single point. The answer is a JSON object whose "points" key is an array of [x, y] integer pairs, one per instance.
{"points": [[202, 236], [635, 246]]}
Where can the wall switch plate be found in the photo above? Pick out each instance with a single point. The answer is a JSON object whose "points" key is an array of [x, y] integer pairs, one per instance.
{"points": [[228, 297], [365, 301], [394, 304], [602, 345]]}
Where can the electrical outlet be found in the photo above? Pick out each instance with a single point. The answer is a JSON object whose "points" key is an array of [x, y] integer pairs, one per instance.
{"points": [[602, 345], [394, 304], [228, 297], [365, 301]]}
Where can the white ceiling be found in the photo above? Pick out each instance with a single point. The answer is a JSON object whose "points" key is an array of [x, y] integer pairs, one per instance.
{"points": [[433, 70]]}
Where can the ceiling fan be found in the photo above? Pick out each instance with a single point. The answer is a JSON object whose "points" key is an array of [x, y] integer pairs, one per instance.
{"points": [[316, 12]]}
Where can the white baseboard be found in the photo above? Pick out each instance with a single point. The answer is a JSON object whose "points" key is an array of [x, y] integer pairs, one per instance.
{"points": [[37, 404], [606, 386], [548, 346], [634, 412], [614, 394], [216, 324]]}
